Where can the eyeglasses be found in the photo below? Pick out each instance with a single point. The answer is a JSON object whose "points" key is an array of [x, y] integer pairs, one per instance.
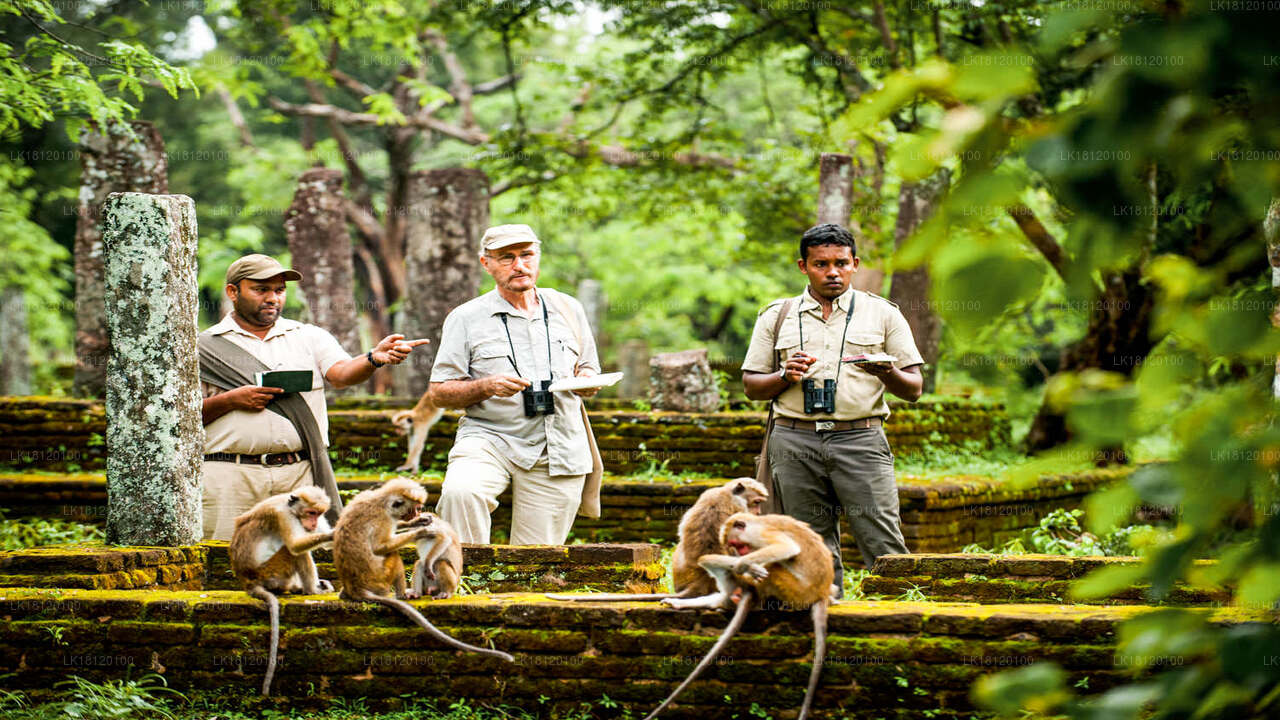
{"points": [[528, 257]]}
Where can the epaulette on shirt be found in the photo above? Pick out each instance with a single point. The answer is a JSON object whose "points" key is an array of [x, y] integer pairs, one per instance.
{"points": [[884, 299]]}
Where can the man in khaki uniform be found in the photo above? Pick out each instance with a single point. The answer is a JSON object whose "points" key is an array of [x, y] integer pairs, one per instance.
{"points": [[834, 462], [251, 454], [494, 352]]}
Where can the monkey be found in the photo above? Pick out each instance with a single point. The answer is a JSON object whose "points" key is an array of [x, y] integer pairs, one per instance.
{"points": [[271, 552], [417, 423], [699, 534], [366, 551], [772, 559], [438, 570]]}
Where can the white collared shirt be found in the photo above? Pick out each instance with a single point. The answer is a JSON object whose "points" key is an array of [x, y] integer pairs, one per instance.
{"points": [[288, 345]]}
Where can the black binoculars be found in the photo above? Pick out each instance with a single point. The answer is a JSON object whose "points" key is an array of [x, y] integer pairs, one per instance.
{"points": [[538, 402], [819, 399]]}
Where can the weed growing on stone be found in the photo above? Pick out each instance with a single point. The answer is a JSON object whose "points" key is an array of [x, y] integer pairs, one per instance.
{"points": [[33, 532]]}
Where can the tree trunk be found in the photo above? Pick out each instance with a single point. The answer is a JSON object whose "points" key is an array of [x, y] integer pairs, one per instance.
{"points": [[910, 289], [1271, 232], [319, 242], [155, 438], [114, 161], [15, 360], [1118, 339], [836, 173], [449, 211]]}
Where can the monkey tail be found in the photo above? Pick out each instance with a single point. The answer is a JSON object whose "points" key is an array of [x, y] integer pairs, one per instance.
{"points": [[412, 613], [735, 624], [273, 610], [819, 614]]}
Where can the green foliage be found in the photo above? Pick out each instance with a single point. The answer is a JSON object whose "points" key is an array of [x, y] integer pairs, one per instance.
{"points": [[1059, 533], [34, 532]]}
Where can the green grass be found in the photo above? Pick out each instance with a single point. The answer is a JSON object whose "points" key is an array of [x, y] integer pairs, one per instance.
{"points": [[17, 534]]}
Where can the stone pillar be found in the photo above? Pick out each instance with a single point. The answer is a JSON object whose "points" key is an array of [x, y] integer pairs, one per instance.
{"points": [[448, 212], [633, 361], [683, 382], [836, 173], [155, 440], [320, 246], [111, 161], [911, 288], [15, 360], [591, 295]]}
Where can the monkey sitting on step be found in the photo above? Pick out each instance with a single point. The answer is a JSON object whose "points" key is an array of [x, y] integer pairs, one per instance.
{"points": [[271, 552], [438, 571], [366, 551], [699, 534], [772, 559]]}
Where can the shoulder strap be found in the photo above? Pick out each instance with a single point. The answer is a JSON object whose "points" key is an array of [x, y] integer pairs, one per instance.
{"points": [[564, 308], [777, 326]]}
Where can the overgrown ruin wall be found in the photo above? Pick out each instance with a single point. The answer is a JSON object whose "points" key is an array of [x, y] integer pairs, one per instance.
{"points": [[59, 434], [884, 659]]}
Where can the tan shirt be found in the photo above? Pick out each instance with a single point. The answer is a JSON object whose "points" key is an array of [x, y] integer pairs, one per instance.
{"points": [[473, 344], [877, 326], [289, 345]]}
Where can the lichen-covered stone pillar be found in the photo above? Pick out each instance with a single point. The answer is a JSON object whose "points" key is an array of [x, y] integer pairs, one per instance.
{"points": [[448, 211], [911, 289], [111, 161], [836, 173], [633, 361], [155, 440], [1271, 233], [683, 382], [320, 248], [15, 363], [591, 295]]}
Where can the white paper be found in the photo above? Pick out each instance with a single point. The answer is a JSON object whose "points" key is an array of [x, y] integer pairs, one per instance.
{"points": [[583, 383], [870, 358]]}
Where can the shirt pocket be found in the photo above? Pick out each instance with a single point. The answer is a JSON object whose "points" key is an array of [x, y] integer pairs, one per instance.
{"points": [[491, 358], [860, 343]]}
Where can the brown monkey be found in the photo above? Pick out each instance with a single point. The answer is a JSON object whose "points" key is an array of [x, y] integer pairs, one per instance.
{"points": [[366, 550], [699, 534], [417, 423], [438, 570], [271, 552], [772, 559]]}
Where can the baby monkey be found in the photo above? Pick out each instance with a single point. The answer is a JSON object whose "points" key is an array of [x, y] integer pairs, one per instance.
{"points": [[271, 552], [438, 571], [366, 550], [772, 559], [699, 534]]}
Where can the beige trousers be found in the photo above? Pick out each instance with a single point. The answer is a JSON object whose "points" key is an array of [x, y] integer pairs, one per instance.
{"points": [[542, 507], [231, 489]]}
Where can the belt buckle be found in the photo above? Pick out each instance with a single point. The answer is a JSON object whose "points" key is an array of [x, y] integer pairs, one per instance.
{"points": [[824, 425]]}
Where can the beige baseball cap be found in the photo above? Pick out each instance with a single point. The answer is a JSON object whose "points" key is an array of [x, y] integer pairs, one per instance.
{"points": [[259, 267], [500, 236]]}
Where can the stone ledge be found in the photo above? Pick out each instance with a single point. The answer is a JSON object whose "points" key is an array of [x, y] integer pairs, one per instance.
{"points": [[633, 651]]}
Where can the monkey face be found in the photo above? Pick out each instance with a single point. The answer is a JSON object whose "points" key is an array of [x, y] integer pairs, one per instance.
{"points": [[310, 518], [734, 538], [403, 509], [749, 495]]}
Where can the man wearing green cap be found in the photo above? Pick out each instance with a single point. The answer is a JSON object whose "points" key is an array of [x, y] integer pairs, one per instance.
{"points": [[251, 454]]}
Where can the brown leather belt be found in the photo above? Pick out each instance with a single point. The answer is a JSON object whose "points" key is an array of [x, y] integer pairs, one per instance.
{"points": [[287, 458], [830, 425]]}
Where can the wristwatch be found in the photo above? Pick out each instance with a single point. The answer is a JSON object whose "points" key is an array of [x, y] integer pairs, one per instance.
{"points": [[373, 362], [783, 374]]}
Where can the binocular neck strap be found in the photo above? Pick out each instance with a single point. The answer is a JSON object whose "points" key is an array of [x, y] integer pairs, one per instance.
{"points": [[800, 324], [546, 325]]}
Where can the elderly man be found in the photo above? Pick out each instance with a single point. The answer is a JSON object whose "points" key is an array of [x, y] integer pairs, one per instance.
{"points": [[498, 354], [250, 454]]}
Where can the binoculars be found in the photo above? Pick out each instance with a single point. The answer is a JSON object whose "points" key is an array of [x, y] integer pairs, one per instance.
{"points": [[538, 402], [818, 399]]}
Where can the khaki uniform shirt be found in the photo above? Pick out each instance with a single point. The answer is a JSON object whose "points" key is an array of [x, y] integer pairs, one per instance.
{"points": [[473, 344], [877, 326], [289, 345]]}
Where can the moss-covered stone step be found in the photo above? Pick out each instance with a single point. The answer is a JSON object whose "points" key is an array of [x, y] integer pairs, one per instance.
{"points": [[67, 434], [938, 514], [98, 567], [1014, 579], [882, 655], [612, 567]]}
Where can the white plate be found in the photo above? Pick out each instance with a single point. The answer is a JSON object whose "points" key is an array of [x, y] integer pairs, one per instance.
{"points": [[584, 383]]}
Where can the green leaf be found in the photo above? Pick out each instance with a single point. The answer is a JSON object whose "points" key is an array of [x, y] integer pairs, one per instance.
{"points": [[1107, 580], [1038, 688]]}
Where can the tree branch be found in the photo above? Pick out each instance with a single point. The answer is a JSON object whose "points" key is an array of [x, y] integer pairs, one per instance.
{"points": [[357, 180], [236, 117], [1039, 236], [886, 36], [348, 117], [459, 88]]}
